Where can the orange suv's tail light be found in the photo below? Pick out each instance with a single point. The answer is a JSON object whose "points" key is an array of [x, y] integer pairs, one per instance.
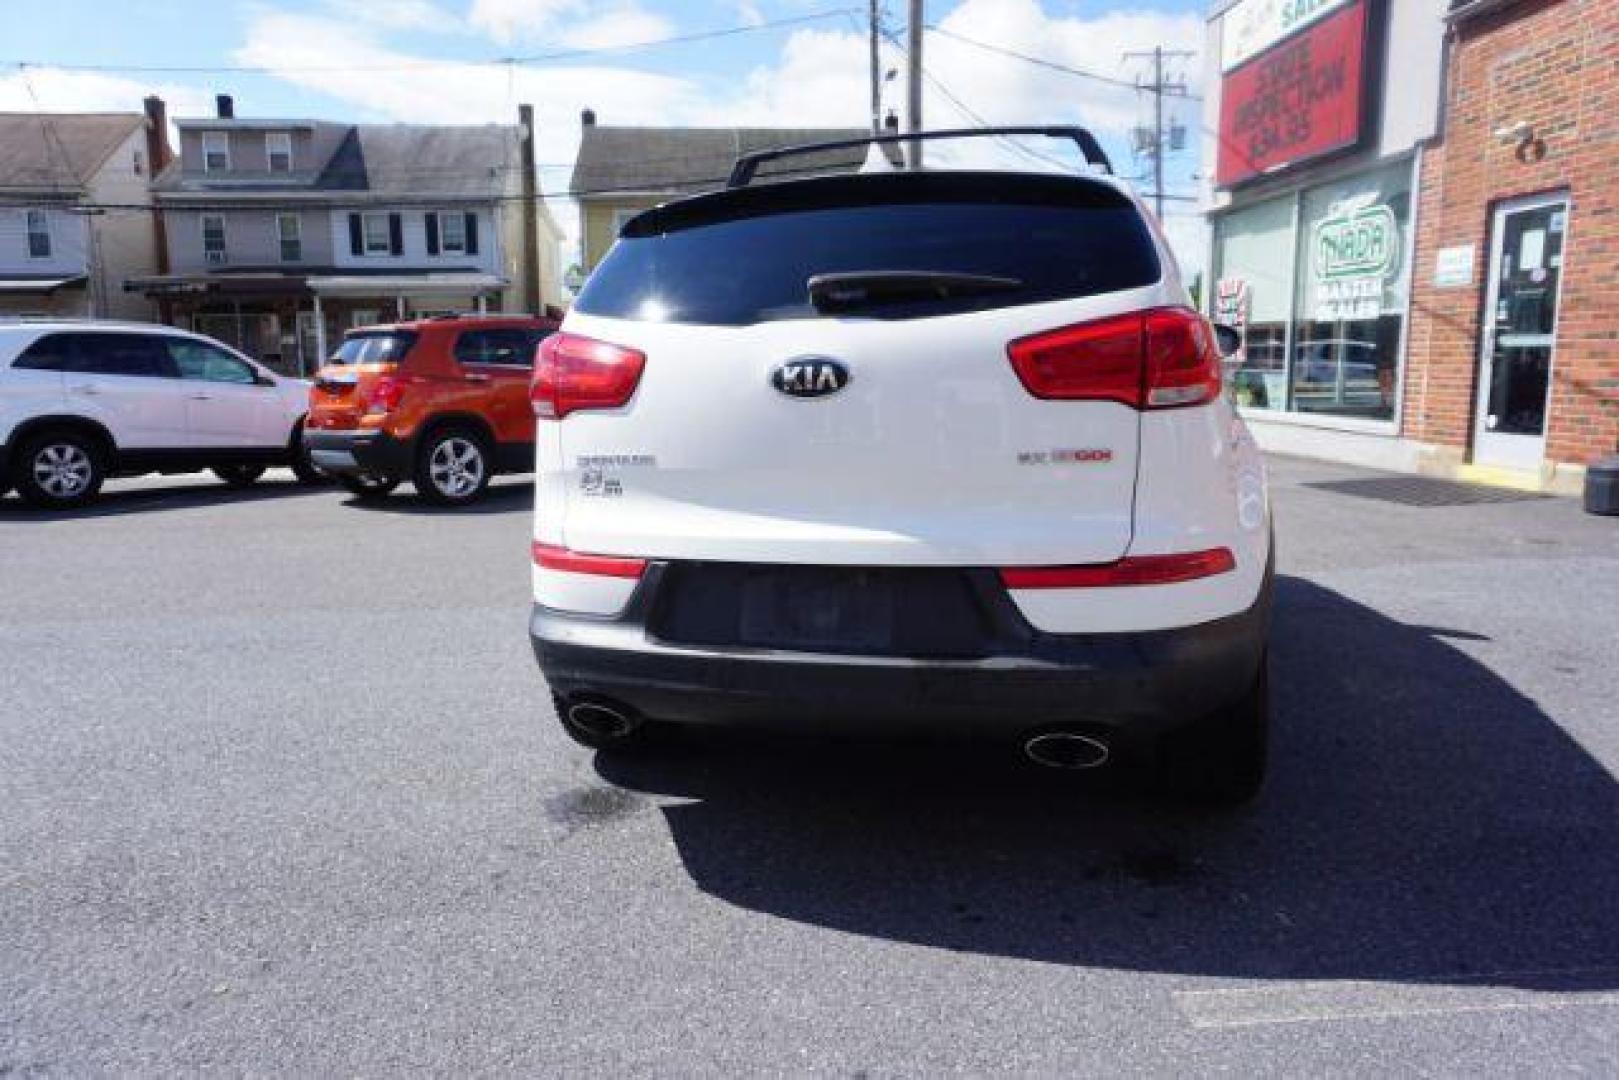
{"points": [[574, 372], [385, 394], [1162, 358]]}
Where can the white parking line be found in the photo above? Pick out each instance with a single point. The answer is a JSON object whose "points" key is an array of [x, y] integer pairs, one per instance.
{"points": [[1325, 1000]]}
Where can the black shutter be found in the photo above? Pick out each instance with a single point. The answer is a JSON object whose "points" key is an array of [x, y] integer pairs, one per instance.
{"points": [[432, 234], [356, 235], [472, 233], [396, 234]]}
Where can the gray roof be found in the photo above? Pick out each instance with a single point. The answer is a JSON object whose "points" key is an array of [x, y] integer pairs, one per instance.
{"points": [[59, 152], [409, 159], [414, 160], [688, 160]]}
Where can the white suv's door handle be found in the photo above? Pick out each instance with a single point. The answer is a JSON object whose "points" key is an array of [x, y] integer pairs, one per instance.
{"points": [[201, 397], [85, 388]]}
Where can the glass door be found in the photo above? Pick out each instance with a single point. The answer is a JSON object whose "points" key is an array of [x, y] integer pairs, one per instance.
{"points": [[1519, 328]]}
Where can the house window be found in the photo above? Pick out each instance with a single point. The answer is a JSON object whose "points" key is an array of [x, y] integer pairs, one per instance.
{"points": [[289, 230], [278, 151], [215, 151], [378, 238], [213, 238], [452, 233], [39, 235]]}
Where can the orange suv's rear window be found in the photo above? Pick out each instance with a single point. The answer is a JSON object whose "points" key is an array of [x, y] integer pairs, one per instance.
{"points": [[382, 347]]}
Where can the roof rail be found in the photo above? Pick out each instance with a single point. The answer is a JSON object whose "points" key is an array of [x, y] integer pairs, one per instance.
{"points": [[742, 172]]}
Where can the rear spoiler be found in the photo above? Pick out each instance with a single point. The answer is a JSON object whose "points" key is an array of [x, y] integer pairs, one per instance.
{"points": [[747, 165]]}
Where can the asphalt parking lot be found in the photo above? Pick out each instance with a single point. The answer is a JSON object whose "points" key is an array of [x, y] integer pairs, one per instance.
{"points": [[280, 792]]}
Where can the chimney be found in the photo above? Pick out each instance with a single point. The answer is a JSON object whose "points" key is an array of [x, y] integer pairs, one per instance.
{"points": [[225, 106], [531, 211], [158, 153], [587, 118], [158, 156]]}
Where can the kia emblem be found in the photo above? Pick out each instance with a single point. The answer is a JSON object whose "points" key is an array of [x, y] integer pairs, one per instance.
{"points": [[810, 377]]}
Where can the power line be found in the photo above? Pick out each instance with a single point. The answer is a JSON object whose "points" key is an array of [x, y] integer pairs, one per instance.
{"points": [[417, 65], [1051, 64]]}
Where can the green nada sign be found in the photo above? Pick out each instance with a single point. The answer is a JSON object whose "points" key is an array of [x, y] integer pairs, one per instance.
{"points": [[1354, 250], [1359, 243]]}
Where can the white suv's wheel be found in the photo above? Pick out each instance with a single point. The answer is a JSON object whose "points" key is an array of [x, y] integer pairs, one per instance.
{"points": [[452, 467], [59, 470]]}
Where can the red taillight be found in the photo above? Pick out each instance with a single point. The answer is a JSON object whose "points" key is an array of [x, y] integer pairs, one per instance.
{"points": [[1130, 570], [551, 557], [573, 372], [1156, 359], [385, 394]]}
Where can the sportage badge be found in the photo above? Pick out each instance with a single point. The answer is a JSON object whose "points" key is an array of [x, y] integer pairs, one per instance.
{"points": [[810, 376]]}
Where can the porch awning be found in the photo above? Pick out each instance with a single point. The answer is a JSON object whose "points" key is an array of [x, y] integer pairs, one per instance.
{"points": [[405, 284], [235, 285], [40, 285]]}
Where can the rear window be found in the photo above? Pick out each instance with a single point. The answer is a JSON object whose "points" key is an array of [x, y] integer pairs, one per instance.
{"points": [[383, 347], [741, 257]]}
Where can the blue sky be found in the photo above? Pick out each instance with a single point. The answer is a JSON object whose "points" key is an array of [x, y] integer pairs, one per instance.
{"points": [[431, 61]]}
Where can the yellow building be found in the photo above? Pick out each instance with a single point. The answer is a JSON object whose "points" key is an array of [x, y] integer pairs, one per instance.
{"points": [[621, 171]]}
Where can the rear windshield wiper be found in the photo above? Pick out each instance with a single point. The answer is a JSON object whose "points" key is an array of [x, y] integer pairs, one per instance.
{"points": [[858, 288]]}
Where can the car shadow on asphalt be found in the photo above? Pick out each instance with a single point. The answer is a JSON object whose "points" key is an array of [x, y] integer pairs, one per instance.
{"points": [[1423, 820], [116, 501], [515, 498]]}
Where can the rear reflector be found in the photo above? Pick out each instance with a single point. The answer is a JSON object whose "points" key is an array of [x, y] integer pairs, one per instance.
{"points": [[574, 372], [1130, 570], [551, 557], [1156, 359]]}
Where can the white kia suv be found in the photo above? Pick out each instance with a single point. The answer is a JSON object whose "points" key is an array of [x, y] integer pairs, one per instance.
{"points": [[84, 400], [928, 451]]}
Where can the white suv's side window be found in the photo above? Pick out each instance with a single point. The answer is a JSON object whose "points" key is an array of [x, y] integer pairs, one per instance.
{"points": [[199, 360], [137, 355]]}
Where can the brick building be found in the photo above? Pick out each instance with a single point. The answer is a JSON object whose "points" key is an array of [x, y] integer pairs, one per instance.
{"points": [[1416, 224], [1514, 344]]}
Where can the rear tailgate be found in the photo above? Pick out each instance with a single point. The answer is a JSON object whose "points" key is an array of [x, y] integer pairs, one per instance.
{"points": [[340, 394], [933, 453], [342, 388]]}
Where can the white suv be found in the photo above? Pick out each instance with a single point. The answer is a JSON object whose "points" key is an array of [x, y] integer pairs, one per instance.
{"points": [[84, 400], [908, 451]]}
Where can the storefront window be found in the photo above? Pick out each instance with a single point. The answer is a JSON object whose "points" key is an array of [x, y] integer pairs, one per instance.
{"points": [[1322, 306], [1351, 295], [1254, 293]]}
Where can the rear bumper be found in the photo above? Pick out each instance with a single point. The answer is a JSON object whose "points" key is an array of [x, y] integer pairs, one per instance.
{"points": [[359, 451], [1131, 685]]}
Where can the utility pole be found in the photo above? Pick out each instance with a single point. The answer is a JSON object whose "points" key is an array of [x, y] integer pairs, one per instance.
{"points": [[876, 73], [1152, 142], [913, 59]]}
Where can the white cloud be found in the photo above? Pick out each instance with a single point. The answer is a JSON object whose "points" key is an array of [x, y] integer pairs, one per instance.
{"points": [[818, 78], [54, 90], [515, 20], [397, 14], [748, 13], [627, 25]]}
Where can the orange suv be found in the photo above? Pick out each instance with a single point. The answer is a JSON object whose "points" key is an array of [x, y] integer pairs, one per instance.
{"points": [[441, 402]]}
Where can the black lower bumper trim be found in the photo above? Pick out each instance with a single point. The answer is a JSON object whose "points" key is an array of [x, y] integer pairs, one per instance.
{"points": [[1128, 683], [359, 452]]}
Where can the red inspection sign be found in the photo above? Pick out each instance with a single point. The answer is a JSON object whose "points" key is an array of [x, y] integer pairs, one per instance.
{"points": [[1297, 100]]}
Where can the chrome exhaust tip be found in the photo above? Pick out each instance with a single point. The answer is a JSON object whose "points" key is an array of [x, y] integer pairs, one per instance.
{"points": [[1067, 750], [602, 719]]}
